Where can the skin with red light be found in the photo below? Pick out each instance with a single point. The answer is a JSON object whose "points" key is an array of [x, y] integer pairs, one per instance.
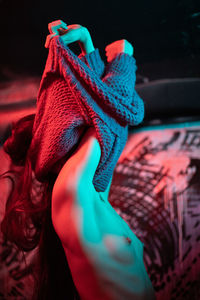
{"points": [[65, 205], [120, 46], [96, 239], [105, 264], [80, 34], [53, 29], [77, 33]]}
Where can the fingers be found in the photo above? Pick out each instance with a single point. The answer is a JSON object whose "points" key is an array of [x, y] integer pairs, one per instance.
{"points": [[53, 29], [62, 31], [117, 47], [77, 33], [55, 25], [72, 34], [114, 49], [69, 34]]}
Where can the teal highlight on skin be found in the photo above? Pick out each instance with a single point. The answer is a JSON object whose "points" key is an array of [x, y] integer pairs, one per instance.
{"points": [[122, 264]]}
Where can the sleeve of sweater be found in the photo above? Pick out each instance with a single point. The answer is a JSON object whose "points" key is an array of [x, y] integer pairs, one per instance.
{"points": [[94, 62], [113, 74], [120, 74], [115, 92]]}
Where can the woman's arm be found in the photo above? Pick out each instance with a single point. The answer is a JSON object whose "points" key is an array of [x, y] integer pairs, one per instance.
{"points": [[68, 215], [116, 90], [70, 34], [80, 34], [105, 257]]}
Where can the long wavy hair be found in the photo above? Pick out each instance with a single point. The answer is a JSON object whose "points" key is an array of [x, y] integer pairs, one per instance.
{"points": [[27, 221]]}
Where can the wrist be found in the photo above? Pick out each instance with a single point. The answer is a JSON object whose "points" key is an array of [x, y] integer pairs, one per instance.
{"points": [[86, 41]]}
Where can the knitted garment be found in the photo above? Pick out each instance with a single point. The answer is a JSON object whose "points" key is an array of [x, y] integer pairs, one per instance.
{"points": [[76, 93]]}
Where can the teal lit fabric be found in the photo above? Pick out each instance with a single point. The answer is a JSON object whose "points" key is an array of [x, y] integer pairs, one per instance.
{"points": [[79, 92]]}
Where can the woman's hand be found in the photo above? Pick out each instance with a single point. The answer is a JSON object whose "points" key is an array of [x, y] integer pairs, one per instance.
{"points": [[70, 34], [80, 34], [117, 47]]}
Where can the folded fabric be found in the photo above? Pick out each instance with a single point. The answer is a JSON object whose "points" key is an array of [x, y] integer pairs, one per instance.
{"points": [[79, 92]]}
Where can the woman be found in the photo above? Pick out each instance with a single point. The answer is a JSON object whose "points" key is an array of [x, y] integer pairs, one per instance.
{"points": [[72, 145]]}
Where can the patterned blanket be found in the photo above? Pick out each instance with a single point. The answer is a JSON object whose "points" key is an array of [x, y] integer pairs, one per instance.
{"points": [[156, 189]]}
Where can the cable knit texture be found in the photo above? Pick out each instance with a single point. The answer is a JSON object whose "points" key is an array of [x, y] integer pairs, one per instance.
{"points": [[76, 93]]}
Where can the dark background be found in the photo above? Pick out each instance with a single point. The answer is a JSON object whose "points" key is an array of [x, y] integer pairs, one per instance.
{"points": [[165, 34]]}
